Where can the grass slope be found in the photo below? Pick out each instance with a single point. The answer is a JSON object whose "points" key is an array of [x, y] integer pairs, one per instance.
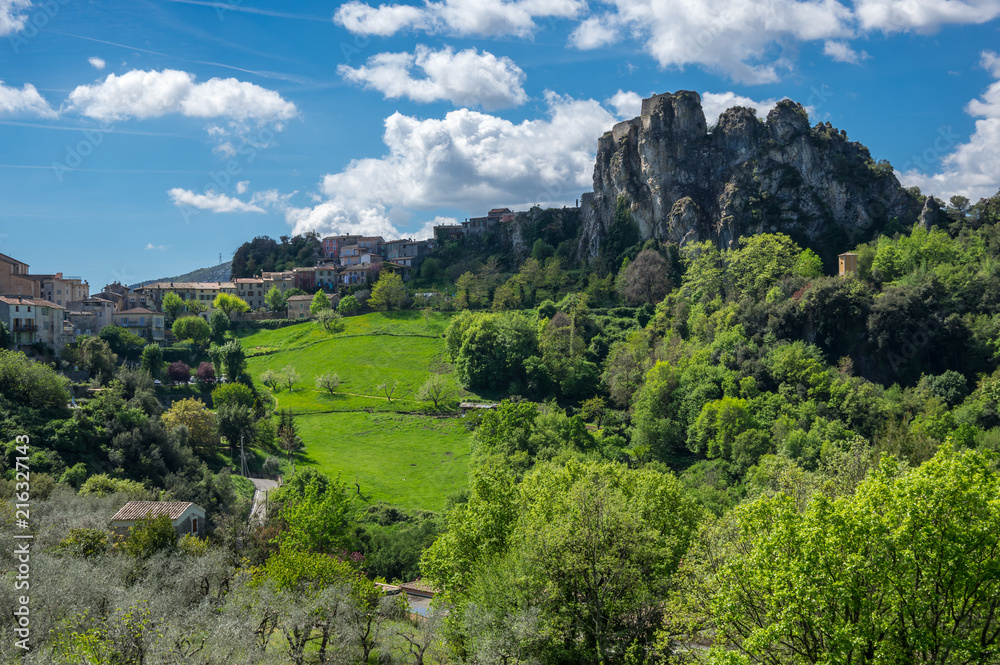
{"points": [[414, 461], [411, 461]]}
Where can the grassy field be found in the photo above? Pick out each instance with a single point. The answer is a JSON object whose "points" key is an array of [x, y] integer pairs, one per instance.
{"points": [[414, 461]]}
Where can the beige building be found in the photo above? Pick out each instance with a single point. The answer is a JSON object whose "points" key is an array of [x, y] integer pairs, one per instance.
{"points": [[252, 290], [61, 290], [31, 321], [203, 293], [15, 281], [298, 307], [101, 311], [141, 321], [284, 280]]}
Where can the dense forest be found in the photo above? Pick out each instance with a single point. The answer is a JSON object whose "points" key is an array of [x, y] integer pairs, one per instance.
{"points": [[698, 455]]}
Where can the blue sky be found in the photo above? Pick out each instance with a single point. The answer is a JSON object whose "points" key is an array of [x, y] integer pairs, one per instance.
{"points": [[142, 139]]}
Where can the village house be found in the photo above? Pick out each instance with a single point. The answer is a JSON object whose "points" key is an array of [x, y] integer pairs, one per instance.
{"points": [[202, 292], [356, 274], [481, 225], [350, 255], [333, 244], [187, 517], [284, 280], [143, 322], [60, 290], [298, 307], [32, 320], [448, 232], [251, 289], [101, 309]]}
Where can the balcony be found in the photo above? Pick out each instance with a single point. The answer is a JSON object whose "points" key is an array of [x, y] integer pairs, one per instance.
{"points": [[28, 327]]}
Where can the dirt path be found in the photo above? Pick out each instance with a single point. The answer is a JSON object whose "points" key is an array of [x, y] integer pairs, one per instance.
{"points": [[261, 487]]}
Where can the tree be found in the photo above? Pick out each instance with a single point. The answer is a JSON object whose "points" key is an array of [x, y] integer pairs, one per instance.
{"points": [[331, 320], [172, 304], [219, 323], [437, 389], [288, 433], [275, 299], [646, 279], [387, 389], [206, 373], [4, 336], [901, 571], [229, 303], [26, 382], [236, 423], [152, 360], [193, 328], [123, 341], [348, 306], [200, 422], [96, 357], [233, 393], [234, 358], [317, 519], [320, 302], [289, 376], [623, 233], [388, 292], [762, 260], [271, 378], [808, 265], [328, 382], [179, 372]]}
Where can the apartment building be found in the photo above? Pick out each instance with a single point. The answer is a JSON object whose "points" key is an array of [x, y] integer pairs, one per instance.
{"points": [[32, 320], [100, 310], [60, 289], [202, 292], [143, 322], [252, 290]]}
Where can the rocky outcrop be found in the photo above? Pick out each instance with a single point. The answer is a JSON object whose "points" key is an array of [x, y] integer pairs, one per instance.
{"points": [[685, 182]]}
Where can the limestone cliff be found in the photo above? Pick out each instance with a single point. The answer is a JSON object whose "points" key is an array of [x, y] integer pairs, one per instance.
{"points": [[685, 182]]}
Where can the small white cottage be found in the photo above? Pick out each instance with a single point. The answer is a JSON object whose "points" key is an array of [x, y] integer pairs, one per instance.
{"points": [[186, 517]]}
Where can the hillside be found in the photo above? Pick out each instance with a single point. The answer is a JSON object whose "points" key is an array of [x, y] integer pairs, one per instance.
{"points": [[219, 273]]}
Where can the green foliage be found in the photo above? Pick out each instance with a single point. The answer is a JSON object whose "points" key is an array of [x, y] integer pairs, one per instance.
{"points": [[388, 292], [24, 381], [320, 302], [762, 260], [233, 393], [152, 360], [172, 304], [83, 543], [438, 389], [219, 323], [102, 484], [316, 520], [199, 421], [234, 359], [150, 535], [808, 265], [95, 356], [489, 350], [193, 328], [911, 557], [348, 306], [229, 303], [275, 299], [123, 341], [4, 336], [623, 233]]}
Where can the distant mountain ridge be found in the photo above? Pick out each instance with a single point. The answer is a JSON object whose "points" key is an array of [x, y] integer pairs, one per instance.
{"points": [[219, 273]]}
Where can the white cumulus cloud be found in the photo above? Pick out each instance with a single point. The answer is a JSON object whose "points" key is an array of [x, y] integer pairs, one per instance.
{"points": [[970, 169], [627, 104], [150, 246], [466, 78], [923, 15], [460, 17], [97, 63], [150, 94], [26, 101], [211, 201], [12, 16], [842, 52], [460, 161], [715, 103]]}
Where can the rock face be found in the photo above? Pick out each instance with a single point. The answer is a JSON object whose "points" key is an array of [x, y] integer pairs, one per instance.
{"points": [[684, 182]]}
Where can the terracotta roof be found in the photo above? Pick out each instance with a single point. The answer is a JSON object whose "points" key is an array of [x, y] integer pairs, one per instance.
{"points": [[300, 297], [249, 280], [499, 210], [190, 285], [134, 510], [15, 300], [136, 310]]}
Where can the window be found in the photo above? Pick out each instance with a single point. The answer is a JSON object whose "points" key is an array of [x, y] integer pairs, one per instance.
{"points": [[194, 525]]}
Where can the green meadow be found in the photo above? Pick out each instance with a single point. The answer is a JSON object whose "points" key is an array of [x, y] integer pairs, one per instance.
{"points": [[399, 451]]}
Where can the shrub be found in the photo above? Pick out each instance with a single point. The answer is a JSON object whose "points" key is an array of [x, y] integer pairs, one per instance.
{"points": [[233, 393], [104, 485], [179, 372], [272, 465], [206, 373], [150, 535]]}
